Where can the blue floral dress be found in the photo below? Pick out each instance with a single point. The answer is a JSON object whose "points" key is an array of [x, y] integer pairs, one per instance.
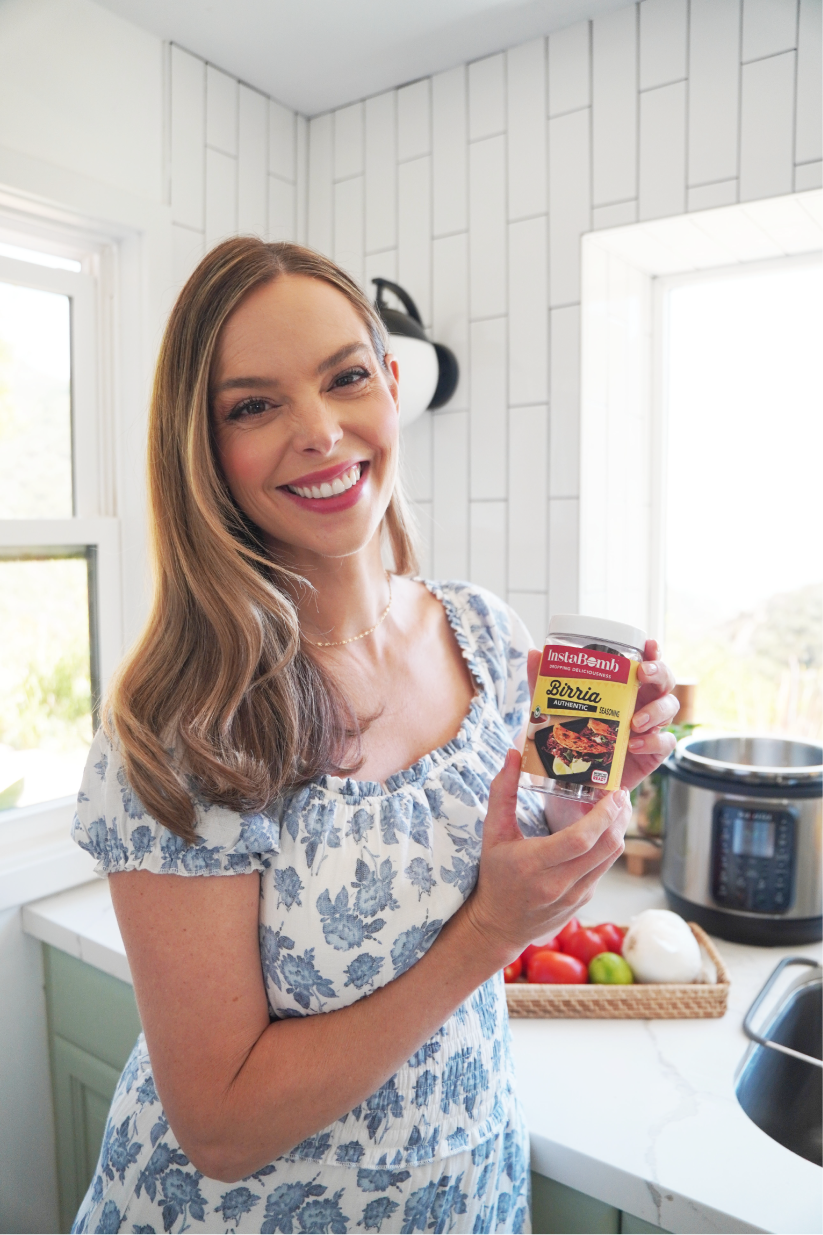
{"points": [[357, 880]]}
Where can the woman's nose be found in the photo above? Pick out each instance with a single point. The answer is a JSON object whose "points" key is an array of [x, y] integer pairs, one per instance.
{"points": [[316, 427]]}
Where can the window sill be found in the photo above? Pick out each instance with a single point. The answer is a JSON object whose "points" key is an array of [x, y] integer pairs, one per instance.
{"points": [[37, 855]]}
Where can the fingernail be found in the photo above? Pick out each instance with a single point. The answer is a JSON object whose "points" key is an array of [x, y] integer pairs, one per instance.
{"points": [[636, 744], [641, 720], [649, 668], [621, 797]]}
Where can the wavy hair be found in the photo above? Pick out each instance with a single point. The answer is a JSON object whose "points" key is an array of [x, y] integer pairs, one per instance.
{"points": [[220, 699]]}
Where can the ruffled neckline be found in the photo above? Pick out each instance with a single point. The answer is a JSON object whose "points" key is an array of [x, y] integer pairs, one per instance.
{"points": [[352, 790]]}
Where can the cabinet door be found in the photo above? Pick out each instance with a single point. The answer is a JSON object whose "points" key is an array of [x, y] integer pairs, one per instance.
{"points": [[83, 1089]]}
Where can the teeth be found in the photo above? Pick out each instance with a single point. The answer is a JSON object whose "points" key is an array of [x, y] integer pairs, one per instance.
{"points": [[340, 485]]}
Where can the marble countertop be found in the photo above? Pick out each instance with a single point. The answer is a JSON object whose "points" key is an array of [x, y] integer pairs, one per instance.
{"points": [[640, 1114]]}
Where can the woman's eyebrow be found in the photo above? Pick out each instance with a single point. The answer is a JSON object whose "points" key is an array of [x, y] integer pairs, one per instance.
{"points": [[234, 383], [341, 354]]}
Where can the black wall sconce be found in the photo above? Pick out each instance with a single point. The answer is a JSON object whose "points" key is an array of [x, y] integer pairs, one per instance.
{"points": [[428, 371]]}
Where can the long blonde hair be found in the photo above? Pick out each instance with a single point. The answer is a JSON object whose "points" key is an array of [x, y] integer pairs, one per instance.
{"points": [[220, 699]]}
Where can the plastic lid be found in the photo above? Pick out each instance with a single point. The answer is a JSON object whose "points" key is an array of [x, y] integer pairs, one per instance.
{"points": [[597, 629]]}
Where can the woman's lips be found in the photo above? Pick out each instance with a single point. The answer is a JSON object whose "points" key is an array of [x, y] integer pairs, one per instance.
{"points": [[337, 501]]}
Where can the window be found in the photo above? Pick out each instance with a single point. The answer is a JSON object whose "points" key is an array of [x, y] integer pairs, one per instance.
{"points": [[58, 550], [743, 431]]}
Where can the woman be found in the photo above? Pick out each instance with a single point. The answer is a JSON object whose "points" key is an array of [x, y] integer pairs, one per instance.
{"points": [[325, 732]]}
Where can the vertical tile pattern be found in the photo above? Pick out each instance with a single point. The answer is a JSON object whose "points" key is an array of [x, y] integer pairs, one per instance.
{"points": [[714, 73], [449, 152], [808, 145], [526, 131], [614, 106], [252, 162], [663, 56], [662, 176], [473, 189], [766, 122]]}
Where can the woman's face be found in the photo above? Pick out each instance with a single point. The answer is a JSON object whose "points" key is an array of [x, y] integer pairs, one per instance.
{"points": [[305, 419]]}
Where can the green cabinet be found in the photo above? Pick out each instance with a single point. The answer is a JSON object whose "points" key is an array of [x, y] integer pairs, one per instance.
{"points": [[93, 1025], [557, 1208]]}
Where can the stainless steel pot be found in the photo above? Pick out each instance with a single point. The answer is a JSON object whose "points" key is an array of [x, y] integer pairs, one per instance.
{"points": [[742, 848]]}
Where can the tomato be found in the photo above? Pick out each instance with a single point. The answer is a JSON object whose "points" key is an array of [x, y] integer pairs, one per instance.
{"points": [[567, 932], [528, 952], [513, 971], [557, 967], [585, 944], [611, 935]]}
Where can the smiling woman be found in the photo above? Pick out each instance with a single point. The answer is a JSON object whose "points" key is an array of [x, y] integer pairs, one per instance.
{"points": [[316, 958]]}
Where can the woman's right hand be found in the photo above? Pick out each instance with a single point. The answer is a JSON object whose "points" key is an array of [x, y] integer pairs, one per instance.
{"points": [[528, 888]]}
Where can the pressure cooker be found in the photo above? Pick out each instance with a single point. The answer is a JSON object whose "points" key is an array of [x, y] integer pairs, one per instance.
{"points": [[742, 844]]}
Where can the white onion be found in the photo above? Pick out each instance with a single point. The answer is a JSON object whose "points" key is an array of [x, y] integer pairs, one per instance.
{"points": [[660, 947]]}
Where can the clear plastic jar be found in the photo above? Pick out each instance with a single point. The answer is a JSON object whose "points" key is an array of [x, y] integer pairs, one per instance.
{"points": [[582, 707]]}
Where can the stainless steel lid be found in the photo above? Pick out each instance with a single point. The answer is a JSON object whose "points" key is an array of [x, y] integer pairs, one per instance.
{"points": [[750, 759]]}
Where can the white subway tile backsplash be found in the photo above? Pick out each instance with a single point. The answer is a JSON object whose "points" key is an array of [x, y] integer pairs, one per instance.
{"points": [[188, 139], [282, 210], [614, 106], [252, 161], [617, 215], [348, 141], [808, 143], [301, 159], [487, 227], [808, 176], [569, 202], [707, 196], [416, 456], [766, 121], [348, 226], [528, 497], [450, 506], [526, 133], [530, 607], [414, 237], [381, 172], [662, 174], [379, 266], [221, 110], [449, 152], [564, 418], [489, 418], [187, 248], [570, 69], [528, 311], [487, 97], [564, 556], [450, 307], [414, 120], [320, 202], [769, 27], [714, 67], [221, 196], [663, 54], [282, 141], [487, 545]]}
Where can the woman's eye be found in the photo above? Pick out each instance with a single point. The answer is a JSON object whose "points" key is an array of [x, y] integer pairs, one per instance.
{"points": [[249, 407], [351, 377]]}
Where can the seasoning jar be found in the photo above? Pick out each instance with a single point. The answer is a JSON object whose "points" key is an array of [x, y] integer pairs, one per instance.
{"points": [[582, 707]]}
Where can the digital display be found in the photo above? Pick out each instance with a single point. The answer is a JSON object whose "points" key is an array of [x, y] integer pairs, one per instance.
{"points": [[753, 834]]}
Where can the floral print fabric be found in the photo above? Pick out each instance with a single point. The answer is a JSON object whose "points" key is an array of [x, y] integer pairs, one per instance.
{"points": [[357, 879]]}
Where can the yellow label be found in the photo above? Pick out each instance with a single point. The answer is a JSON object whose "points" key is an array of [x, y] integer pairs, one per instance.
{"points": [[581, 711]]}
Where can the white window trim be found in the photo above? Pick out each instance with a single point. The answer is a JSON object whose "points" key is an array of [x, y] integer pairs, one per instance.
{"points": [[126, 243], [621, 443]]}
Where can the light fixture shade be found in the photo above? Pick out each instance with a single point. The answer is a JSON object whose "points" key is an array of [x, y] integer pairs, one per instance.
{"points": [[419, 372], [428, 371]]}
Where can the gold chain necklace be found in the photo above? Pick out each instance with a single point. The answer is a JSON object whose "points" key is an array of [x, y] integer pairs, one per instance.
{"points": [[338, 643]]}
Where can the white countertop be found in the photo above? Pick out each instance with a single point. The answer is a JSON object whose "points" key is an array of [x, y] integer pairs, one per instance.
{"points": [[641, 1114]]}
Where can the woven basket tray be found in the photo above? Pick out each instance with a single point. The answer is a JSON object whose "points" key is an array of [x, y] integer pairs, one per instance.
{"points": [[640, 1001]]}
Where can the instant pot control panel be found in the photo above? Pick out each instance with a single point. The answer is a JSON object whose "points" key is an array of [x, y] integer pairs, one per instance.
{"points": [[753, 856]]}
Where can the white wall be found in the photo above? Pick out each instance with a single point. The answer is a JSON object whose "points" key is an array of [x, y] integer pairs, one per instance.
{"points": [[473, 187]]}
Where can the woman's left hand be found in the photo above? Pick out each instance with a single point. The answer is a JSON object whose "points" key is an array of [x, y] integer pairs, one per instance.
{"points": [[656, 708]]}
